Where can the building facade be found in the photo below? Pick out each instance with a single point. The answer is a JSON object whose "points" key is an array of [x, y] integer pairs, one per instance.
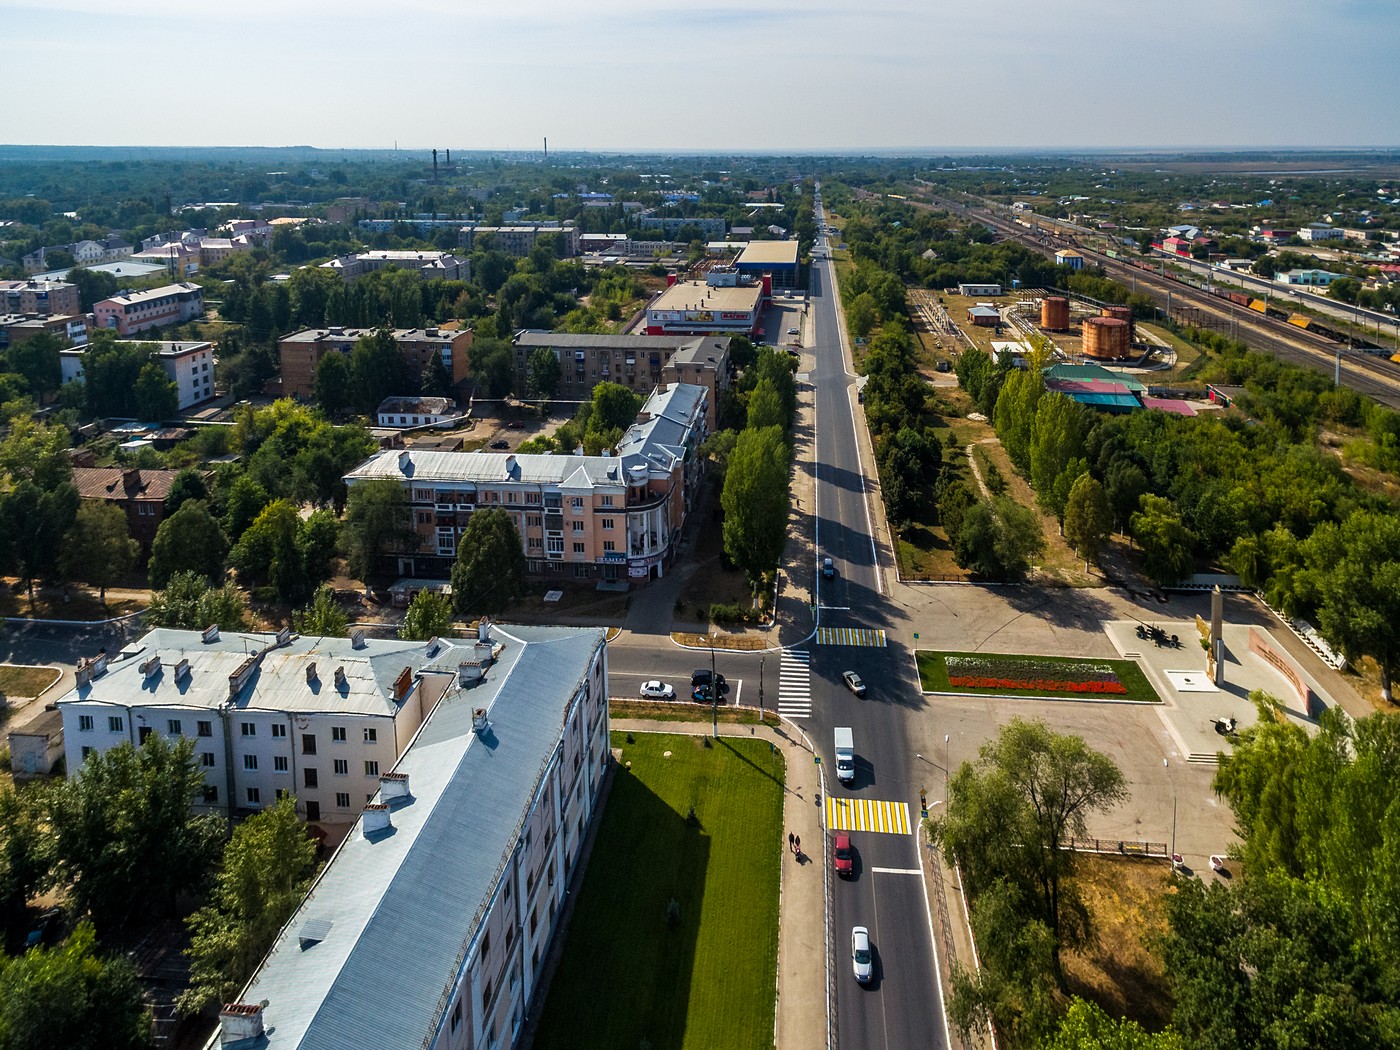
{"points": [[190, 366], [614, 518], [178, 259], [139, 492], [394, 412], [777, 259], [432, 922], [301, 352], [139, 311], [720, 305], [318, 718], [426, 264], [16, 328], [519, 240], [39, 297]]}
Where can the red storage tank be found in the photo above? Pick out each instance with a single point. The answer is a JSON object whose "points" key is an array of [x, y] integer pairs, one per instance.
{"points": [[1106, 338], [1123, 313], [1054, 313]]}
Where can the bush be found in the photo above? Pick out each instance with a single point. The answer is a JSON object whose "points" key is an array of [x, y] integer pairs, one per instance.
{"points": [[733, 612]]}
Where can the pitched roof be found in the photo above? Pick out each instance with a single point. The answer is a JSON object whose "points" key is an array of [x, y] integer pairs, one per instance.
{"points": [[116, 483]]}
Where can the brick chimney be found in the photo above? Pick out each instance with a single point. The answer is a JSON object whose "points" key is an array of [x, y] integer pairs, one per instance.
{"points": [[240, 1025]]}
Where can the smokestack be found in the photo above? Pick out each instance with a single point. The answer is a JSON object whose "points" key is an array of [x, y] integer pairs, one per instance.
{"points": [[435, 165], [546, 147], [449, 158]]}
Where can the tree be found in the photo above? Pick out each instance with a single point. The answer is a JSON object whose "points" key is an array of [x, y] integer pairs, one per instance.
{"points": [[190, 540], [270, 549], [378, 370], [543, 373], [1124, 484], [33, 523], [243, 502], [36, 358], [378, 521], [1009, 815], [36, 452], [1166, 543], [323, 618], [489, 573], [25, 857], [755, 502], [1015, 414], [429, 616], [1056, 439], [124, 833], [98, 548], [997, 541], [1088, 518], [614, 407], [765, 407], [1085, 1026], [70, 996], [156, 396], [188, 484], [189, 602], [333, 385], [1361, 593], [493, 367], [267, 868]]}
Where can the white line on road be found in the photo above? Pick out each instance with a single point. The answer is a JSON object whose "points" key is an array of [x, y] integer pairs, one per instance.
{"points": [[896, 871]]}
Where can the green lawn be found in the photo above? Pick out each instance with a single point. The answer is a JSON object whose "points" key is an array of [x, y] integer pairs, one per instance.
{"points": [[933, 676], [626, 979]]}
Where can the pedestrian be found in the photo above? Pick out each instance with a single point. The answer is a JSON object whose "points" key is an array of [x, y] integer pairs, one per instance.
{"points": [[789, 841], [797, 845]]}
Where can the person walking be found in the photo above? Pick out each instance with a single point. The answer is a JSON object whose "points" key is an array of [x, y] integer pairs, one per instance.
{"points": [[790, 841], [797, 846]]}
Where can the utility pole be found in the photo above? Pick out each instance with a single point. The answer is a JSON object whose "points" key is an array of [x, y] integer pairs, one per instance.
{"points": [[714, 689], [761, 660]]}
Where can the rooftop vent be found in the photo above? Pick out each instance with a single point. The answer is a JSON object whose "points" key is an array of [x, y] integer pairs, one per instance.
{"points": [[211, 634], [284, 636], [434, 644], [150, 667], [357, 638], [340, 681], [311, 673], [313, 932], [393, 787], [376, 820], [480, 723], [240, 1024], [182, 669], [240, 676]]}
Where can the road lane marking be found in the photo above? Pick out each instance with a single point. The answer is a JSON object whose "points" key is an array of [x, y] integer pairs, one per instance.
{"points": [[896, 871], [851, 636], [863, 814], [795, 684]]}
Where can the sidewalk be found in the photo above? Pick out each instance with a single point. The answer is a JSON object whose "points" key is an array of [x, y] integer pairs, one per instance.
{"points": [[803, 953]]}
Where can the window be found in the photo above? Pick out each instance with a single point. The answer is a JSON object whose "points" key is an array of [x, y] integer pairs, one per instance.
{"points": [[206, 759], [578, 527], [204, 728], [86, 751], [337, 734], [279, 763], [533, 521], [279, 731], [115, 723], [342, 767], [250, 761], [607, 502], [371, 735], [342, 799], [247, 729], [85, 723], [457, 1015], [555, 544], [173, 727], [608, 523], [578, 548], [254, 797], [308, 743], [211, 794], [313, 811], [309, 778], [371, 768], [576, 502]]}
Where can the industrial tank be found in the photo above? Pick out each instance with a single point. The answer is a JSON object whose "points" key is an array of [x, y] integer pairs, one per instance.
{"points": [[1106, 338], [1123, 313], [1054, 313]]}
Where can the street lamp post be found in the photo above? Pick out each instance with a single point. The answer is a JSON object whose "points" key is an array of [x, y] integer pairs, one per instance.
{"points": [[761, 660], [714, 689]]}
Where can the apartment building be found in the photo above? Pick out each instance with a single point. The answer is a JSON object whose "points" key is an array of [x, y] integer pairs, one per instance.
{"points": [[84, 253], [638, 362], [432, 922], [135, 312], [39, 297], [177, 257], [139, 492], [319, 718], [519, 240], [613, 518], [16, 328], [426, 264], [189, 364], [301, 352]]}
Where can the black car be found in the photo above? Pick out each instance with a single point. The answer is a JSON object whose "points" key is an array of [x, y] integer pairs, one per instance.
{"points": [[500, 444], [701, 694], [701, 678]]}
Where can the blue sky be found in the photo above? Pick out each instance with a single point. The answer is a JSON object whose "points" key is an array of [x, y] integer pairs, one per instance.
{"points": [[657, 75]]}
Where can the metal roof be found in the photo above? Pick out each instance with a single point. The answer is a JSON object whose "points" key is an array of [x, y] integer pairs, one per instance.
{"points": [[584, 341], [489, 468], [768, 253], [378, 942]]}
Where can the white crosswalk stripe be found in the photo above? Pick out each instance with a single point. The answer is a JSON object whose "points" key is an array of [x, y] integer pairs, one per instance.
{"points": [[795, 684]]}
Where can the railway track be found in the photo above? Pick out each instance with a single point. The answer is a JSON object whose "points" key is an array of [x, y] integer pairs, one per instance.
{"points": [[1376, 377]]}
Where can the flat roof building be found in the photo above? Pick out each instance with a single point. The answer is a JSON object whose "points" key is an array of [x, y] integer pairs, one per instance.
{"points": [[426, 264], [36, 296], [399, 412], [431, 924], [778, 258], [72, 329], [689, 307], [138, 311], [189, 364], [518, 240], [301, 353]]}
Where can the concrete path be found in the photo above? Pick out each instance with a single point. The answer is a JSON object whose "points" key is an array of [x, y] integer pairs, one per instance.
{"points": [[801, 1022]]}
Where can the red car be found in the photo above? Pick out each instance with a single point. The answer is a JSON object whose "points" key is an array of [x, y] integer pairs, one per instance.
{"points": [[841, 854]]}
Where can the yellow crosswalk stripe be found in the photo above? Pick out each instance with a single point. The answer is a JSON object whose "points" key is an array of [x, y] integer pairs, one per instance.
{"points": [[862, 814], [850, 636]]}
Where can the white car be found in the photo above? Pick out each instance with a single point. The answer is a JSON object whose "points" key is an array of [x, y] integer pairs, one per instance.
{"points": [[792, 331], [861, 960], [658, 691]]}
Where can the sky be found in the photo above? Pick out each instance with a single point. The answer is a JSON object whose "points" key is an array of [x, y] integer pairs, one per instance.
{"points": [[617, 75]]}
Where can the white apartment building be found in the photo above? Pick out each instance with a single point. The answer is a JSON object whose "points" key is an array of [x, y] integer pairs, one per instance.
{"points": [[431, 923], [318, 718], [190, 366]]}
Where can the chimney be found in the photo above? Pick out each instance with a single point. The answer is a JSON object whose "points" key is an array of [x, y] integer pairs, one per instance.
{"points": [[403, 683], [340, 682], [240, 1025], [433, 644], [357, 638], [240, 676], [182, 669], [483, 629], [131, 478], [150, 667], [311, 678], [376, 820], [98, 665], [405, 461], [480, 723], [393, 787], [83, 675], [211, 634], [284, 637]]}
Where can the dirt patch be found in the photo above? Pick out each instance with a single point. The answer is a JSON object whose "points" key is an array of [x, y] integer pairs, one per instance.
{"points": [[25, 682], [51, 603], [1121, 971]]}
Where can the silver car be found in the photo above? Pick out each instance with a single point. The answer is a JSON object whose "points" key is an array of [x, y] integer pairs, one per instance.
{"points": [[658, 691], [861, 960]]}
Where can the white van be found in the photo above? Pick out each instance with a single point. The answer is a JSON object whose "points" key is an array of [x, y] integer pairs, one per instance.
{"points": [[845, 754]]}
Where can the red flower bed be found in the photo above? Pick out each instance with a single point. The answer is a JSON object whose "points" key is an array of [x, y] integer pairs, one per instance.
{"points": [[1041, 685]]}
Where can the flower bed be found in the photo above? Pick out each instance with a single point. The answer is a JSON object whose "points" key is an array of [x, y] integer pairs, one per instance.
{"points": [[1041, 676]]}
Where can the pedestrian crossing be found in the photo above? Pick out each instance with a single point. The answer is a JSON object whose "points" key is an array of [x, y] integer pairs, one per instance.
{"points": [[863, 814], [850, 636], [795, 684]]}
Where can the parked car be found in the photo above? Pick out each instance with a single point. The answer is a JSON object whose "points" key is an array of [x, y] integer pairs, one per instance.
{"points": [[702, 677], [853, 682], [793, 331], [500, 444], [842, 857], [701, 694], [828, 568], [861, 960], [658, 691]]}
